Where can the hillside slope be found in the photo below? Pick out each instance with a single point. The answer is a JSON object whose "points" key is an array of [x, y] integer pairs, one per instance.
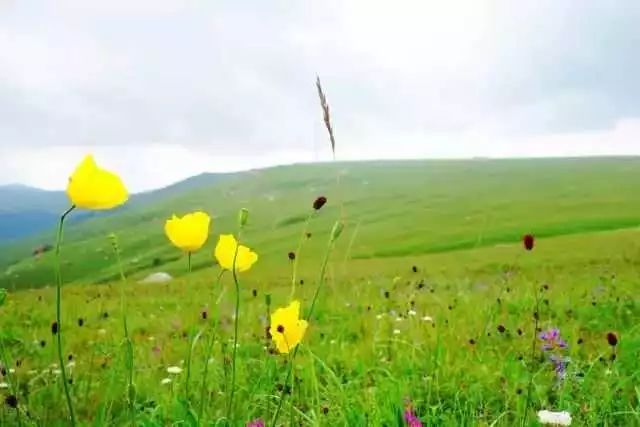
{"points": [[395, 208]]}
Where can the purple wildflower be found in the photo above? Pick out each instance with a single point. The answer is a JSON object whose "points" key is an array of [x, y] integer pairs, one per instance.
{"points": [[552, 340], [256, 423], [559, 366], [411, 418]]}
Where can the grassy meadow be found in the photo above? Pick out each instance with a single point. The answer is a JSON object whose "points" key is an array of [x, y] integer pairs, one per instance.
{"points": [[429, 302]]}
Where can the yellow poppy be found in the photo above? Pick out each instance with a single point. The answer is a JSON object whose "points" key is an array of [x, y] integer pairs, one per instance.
{"points": [[190, 232], [91, 187], [226, 251], [286, 329]]}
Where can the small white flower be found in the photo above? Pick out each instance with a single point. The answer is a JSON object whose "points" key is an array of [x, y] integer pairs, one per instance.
{"points": [[151, 338], [4, 385], [558, 418], [379, 316], [102, 331], [12, 371], [56, 372], [32, 372], [396, 332], [427, 319], [165, 381], [174, 370], [399, 319], [71, 364], [411, 312]]}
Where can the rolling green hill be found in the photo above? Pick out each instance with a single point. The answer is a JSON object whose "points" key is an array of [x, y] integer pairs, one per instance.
{"points": [[391, 209]]}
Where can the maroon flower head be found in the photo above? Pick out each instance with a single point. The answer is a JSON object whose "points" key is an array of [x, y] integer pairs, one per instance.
{"points": [[292, 255], [612, 339], [319, 202], [528, 241], [11, 401]]}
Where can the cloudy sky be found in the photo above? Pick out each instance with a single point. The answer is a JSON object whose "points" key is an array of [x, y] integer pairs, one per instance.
{"points": [[160, 90]]}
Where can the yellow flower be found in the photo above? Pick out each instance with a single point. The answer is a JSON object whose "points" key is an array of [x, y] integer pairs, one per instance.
{"points": [[91, 187], [190, 232], [286, 329], [226, 251]]}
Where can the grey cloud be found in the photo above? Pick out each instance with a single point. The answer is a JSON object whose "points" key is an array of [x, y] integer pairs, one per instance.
{"points": [[240, 75]]}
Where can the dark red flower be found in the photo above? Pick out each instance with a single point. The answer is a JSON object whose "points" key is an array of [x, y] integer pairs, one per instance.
{"points": [[54, 328], [11, 401], [612, 339], [319, 202], [292, 255], [528, 240]]}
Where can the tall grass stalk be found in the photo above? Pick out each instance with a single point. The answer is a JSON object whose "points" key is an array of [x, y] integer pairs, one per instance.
{"points": [[63, 371], [129, 344]]}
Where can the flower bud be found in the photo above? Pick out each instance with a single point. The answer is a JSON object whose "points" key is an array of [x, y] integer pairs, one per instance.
{"points": [[337, 230], [319, 202], [243, 217]]}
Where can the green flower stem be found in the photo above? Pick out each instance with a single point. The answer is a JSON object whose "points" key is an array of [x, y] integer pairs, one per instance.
{"points": [[189, 261], [533, 353], [65, 383], [323, 271], [192, 346], [303, 237], [235, 333], [203, 387], [128, 342], [12, 382]]}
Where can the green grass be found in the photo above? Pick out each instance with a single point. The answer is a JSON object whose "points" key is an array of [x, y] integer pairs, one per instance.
{"points": [[458, 222]]}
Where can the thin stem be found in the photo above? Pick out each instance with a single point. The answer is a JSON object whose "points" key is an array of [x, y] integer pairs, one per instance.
{"points": [[203, 387], [10, 378], [189, 261], [235, 333], [303, 237], [128, 342], [63, 371], [536, 316], [323, 270], [347, 255]]}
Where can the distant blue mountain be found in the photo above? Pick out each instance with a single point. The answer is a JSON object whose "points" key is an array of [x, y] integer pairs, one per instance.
{"points": [[25, 211]]}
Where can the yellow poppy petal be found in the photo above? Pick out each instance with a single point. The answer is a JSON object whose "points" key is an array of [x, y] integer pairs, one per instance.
{"points": [[91, 187], [190, 232], [225, 253], [287, 331]]}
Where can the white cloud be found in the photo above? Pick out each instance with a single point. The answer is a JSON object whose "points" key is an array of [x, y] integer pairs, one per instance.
{"points": [[166, 89]]}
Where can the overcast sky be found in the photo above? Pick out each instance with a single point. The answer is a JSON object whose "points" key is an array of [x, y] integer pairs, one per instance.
{"points": [[160, 90]]}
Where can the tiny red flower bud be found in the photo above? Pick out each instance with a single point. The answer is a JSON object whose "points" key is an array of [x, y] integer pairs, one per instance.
{"points": [[528, 240], [319, 202]]}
